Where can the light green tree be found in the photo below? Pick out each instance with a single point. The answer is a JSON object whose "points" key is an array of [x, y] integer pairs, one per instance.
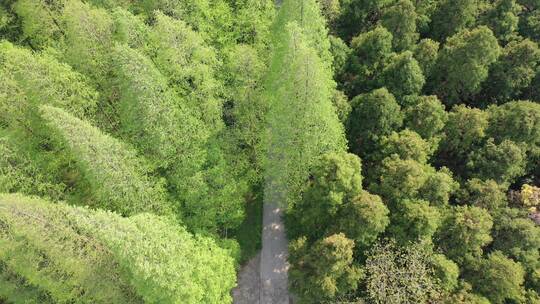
{"points": [[118, 180], [325, 270], [302, 123]]}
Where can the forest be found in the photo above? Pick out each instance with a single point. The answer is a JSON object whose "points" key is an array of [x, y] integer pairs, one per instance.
{"points": [[140, 139]]}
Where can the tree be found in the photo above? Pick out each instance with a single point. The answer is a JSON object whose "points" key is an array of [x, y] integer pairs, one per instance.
{"points": [[19, 174], [27, 81], [400, 20], [373, 116], [406, 144], [486, 194], [426, 116], [301, 119], [502, 162], [153, 118], [464, 231], [446, 271], [335, 180], [438, 187], [426, 52], [463, 64], [307, 15], [77, 254], [324, 270], [500, 280], [118, 180], [370, 51], [513, 71], [502, 18], [402, 75], [400, 179], [358, 15], [414, 220], [396, 274], [39, 21], [362, 219], [188, 65], [213, 19], [518, 121], [450, 17], [464, 132], [88, 38]]}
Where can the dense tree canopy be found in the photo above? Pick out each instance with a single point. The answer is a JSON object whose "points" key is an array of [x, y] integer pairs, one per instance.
{"points": [[139, 139]]}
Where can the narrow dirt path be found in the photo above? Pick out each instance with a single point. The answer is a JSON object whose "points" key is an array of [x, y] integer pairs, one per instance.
{"points": [[274, 266], [264, 280], [248, 290]]}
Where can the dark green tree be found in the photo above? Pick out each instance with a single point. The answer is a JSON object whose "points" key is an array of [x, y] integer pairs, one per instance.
{"points": [[512, 73], [373, 116], [325, 270], [499, 279], [464, 232], [400, 20], [450, 17], [463, 64], [402, 75]]}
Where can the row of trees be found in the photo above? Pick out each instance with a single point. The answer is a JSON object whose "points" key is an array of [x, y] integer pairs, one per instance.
{"points": [[149, 114], [439, 102]]}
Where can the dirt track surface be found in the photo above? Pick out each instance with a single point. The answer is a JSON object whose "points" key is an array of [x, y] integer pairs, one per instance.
{"points": [[274, 266]]}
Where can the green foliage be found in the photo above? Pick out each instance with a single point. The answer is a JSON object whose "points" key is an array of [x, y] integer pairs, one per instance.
{"points": [[43, 246], [362, 219], [373, 116], [451, 17], [502, 18], [446, 271], [19, 174], [426, 52], [152, 117], [486, 194], [464, 131], [402, 75], [119, 181], [400, 20], [406, 144], [465, 230], [513, 71], [88, 34], [369, 53], [188, 64], [502, 162], [400, 179], [324, 270], [212, 19], [302, 121], [414, 220], [307, 15], [518, 121], [426, 116], [501, 279], [396, 274], [335, 180], [74, 254], [463, 63]]}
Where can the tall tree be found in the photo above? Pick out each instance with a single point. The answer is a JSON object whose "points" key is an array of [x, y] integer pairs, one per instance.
{"points": [[451, 17], [463, 64], [118, 180], [400, 20], [302, 122]]}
